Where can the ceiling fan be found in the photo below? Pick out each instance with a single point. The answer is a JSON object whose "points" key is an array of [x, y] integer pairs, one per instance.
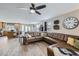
{"points": [[34, 9]]}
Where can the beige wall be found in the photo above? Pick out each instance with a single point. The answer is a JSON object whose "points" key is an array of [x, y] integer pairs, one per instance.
{"points": [[61, 19]]}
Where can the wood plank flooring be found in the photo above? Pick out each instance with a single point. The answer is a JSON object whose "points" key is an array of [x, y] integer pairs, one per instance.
{"points": [[12, 48]]}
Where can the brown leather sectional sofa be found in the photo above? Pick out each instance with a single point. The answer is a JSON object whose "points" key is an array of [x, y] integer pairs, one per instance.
{"points": [[35, 36], [54, 39], [61, 41]]}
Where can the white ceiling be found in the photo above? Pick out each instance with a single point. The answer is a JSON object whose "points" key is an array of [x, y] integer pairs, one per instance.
{"points": [[20, 13]]}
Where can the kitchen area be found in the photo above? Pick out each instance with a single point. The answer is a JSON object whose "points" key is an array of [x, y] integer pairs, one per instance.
{"points": [[10, 30]]}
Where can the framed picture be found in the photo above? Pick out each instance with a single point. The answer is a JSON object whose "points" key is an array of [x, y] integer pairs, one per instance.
{"points": [[56, 22], [56, 27]]}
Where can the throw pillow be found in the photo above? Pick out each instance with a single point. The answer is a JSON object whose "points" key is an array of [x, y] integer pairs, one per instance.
{"points": [[71, 41], [76, 44]]}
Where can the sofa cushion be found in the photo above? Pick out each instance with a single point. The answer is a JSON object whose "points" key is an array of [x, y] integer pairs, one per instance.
{"points": [[32, 39], [71, 41], [76, 44], [28, 35], [60, 37], [65, 38], [50, 40]]}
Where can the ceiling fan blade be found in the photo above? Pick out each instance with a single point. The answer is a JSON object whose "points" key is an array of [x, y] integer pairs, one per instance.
{"points": [[38, 12], [31, 8], [40, 7], [32, 5]]}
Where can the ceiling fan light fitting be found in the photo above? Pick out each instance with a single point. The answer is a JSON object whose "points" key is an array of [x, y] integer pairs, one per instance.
{"points": [[32, 11]]}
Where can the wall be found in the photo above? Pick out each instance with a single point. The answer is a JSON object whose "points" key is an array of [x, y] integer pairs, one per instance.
{"points": [[17, 26], [61, 19], [37, 26]]}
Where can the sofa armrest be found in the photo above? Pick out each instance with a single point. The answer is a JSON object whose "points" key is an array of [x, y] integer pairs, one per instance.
{"points": [[50, 50]]}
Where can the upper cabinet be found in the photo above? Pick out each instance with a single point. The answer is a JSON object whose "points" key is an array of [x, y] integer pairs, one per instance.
{"points": [[1, 25]]}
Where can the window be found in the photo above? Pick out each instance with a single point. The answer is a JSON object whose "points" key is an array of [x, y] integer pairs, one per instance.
{"points": [[26, 29]]}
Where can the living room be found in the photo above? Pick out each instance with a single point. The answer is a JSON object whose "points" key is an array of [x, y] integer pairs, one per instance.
{"points": [[39, 29]]}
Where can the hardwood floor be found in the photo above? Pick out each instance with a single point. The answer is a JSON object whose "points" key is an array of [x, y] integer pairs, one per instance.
{"points": [[12, 48]]}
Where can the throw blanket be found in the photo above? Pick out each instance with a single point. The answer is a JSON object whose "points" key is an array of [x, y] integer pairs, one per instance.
{"points": [[68, 52], [64, 52]]}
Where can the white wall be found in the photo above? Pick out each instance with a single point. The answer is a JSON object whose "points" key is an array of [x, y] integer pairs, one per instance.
{"points": [[61, 18]]}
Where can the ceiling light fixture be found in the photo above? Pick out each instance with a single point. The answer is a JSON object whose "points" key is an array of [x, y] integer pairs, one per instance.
{"points": [[32, 11]]}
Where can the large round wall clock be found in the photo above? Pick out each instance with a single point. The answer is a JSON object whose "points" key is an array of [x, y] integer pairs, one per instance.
{"points": [[70, 23]]}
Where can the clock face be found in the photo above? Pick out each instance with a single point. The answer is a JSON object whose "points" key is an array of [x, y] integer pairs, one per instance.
{"points": [[70, 23]]}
